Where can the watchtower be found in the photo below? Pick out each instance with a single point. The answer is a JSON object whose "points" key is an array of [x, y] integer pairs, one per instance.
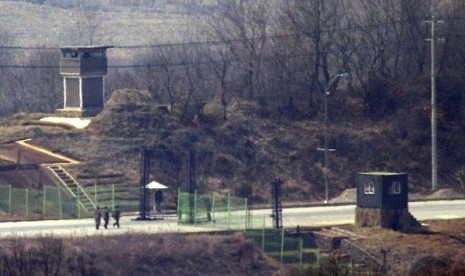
{"points": [[83, 70], [382, 201]]}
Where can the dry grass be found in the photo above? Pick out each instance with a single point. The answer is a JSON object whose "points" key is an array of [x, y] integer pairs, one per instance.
{"points": [[172, 254], [417, 253]]}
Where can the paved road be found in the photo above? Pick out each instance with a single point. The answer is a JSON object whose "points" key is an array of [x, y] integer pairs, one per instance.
{"points": [[311, 216], [318, 216]]}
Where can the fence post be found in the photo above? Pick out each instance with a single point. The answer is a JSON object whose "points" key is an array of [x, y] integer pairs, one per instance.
{"points": [[301, 245], [78, 205], [282, 243], [179, 211], [27, 203], [246, 216], [95, 193], [9, 198], [351, 267], [113, 195], [318, 258], [213, 208], [228, 212], [60, 203], [263, 235], [44, 189], [195, 207]]}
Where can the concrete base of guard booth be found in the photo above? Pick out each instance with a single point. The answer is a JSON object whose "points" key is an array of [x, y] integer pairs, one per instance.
{"points": [[397, 219], [79, 112]]}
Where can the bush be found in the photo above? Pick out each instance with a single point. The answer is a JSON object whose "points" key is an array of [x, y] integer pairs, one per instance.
{"points": [[170, 254]]}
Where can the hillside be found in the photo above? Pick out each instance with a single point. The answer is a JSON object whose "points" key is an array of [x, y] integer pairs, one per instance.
{"points": [[379, 119], [32, 25], [439, 250], [241, 155]]}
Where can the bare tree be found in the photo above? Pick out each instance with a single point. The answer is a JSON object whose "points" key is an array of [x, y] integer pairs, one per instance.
{"points": [[220, 61], [163, 76], [314, 24], [87, 23], [195, 83], [178, 75], [33, 87], [242, 25], [5, 60], [382, 44]]}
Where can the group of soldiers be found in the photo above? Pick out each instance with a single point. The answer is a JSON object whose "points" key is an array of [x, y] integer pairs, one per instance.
{"points": [[106, 217]]}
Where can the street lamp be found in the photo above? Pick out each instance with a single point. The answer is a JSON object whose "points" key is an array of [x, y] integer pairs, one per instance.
{"points": [[332, 81]]}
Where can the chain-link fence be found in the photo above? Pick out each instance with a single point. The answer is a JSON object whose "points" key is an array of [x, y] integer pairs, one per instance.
{"points": [[275, 243], [51, 202], [227, 212], [127, 198], [48, 202], [223, 212]]}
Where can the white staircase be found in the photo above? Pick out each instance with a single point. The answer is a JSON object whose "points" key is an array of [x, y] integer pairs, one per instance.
{"points": [[71, 187]]}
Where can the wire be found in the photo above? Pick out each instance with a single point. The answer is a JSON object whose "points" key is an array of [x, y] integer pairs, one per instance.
{"points": [[227, 41], [262, 58]]}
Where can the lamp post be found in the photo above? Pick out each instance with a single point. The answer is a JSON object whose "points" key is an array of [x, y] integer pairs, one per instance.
{"points": [[434, 128], [332, 81]]}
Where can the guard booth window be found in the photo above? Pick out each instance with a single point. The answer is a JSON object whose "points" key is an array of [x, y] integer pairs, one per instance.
{"points": [[369, 187], [96, 54], [92, 54], [70, 54], [394, 188]]}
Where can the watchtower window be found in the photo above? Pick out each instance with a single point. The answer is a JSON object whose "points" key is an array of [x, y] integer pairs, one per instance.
{"points": [[92, 55], [369, 187], [96, 54], [70, 54], [394, 188]]}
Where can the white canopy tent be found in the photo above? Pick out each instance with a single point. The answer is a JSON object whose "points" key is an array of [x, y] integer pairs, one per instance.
{"points": [[155, 185]]}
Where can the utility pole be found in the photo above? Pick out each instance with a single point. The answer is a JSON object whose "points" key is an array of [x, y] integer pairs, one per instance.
{"points": [[332, 81], [277, 208], [434, 139]]}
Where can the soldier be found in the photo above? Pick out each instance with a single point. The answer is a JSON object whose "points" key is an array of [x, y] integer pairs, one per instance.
{"points": [[158, 200], [106, 217], [98, 217], [116, 216]]}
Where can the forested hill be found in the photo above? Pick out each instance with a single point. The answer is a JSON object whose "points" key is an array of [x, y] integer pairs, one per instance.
{"points": [[256, 71]]}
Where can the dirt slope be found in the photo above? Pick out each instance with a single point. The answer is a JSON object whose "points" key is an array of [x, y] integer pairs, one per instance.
{"points": [[439, 249], [169, 254], [241, 155]]}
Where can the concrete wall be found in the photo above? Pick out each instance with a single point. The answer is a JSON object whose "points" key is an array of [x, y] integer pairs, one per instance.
{"points": [[92, 92], [359, 255], [83, 67], [72, 97], [397, 219], [327, 242]]}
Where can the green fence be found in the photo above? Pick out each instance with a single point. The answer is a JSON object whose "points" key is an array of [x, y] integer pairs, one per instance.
{"points": [[227, 212], [51, 202], [109, 195], [223, 212], [275, 243]]}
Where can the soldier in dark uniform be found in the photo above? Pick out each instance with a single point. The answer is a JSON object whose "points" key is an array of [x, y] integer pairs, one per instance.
{"points": [[158, 200], [98, 217], [106, 217], [116, 216]]}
